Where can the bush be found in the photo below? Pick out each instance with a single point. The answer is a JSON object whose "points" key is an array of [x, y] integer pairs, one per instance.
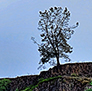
{"points": [[3, 84]]}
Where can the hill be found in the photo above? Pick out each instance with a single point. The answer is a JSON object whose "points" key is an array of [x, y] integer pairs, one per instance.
{"points": [[67, 77]]}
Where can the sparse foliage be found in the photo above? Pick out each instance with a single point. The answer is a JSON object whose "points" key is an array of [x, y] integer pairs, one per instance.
{"points": [[54, 25], [3, 84]]}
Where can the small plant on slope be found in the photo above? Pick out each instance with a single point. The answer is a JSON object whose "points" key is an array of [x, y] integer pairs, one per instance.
{"points": [[3, 84], [89, 89], [30, 88], [74, 74]]}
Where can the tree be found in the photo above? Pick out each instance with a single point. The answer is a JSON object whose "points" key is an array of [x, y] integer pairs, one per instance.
{"points": [[54, 25]]}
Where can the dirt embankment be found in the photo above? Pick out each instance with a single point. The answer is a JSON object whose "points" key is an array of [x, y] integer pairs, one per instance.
{"points": [[75, 77]]}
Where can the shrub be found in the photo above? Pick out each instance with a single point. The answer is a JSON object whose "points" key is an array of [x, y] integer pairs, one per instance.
{"points": [[3, 84], [73, 74]]}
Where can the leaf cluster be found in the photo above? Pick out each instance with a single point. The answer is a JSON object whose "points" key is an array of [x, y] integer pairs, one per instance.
{"points": [[3, 84]]}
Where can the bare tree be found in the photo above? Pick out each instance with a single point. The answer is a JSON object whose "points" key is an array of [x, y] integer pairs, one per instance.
{"points": [[54, 25]]}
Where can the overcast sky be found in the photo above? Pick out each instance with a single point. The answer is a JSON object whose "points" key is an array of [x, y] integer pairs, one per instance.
{"points": [[18, 23]]}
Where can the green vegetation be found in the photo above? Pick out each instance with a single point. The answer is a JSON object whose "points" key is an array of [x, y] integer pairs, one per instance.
{"points": [[89, 89], [3, 84], [16, 89], [90, 83], [73, 74], [56, 31], [41, 80]]}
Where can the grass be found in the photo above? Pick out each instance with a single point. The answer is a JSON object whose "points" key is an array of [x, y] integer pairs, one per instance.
{"points": [[16, 89], [41, 80], [74, 74], [89, 89], [3, 84]]}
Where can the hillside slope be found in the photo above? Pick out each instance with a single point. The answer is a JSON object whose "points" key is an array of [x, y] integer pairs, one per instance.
{"points": [[68, 77]]}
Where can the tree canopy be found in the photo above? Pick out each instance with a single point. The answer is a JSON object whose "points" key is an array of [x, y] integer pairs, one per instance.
{"points": [[56, 31]]}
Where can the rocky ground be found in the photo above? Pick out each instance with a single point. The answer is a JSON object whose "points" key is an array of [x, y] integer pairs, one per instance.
{"points": [[75, 77]]}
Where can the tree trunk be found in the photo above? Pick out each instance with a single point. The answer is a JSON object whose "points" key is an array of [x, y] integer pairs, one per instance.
{"points": [[58, 63]]}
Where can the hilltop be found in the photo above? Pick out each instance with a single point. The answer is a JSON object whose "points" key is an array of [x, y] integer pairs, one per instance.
{"points": [[67, 77]]}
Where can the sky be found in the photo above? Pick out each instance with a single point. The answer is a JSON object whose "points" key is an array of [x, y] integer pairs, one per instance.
{"points": [[19, 56]]}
